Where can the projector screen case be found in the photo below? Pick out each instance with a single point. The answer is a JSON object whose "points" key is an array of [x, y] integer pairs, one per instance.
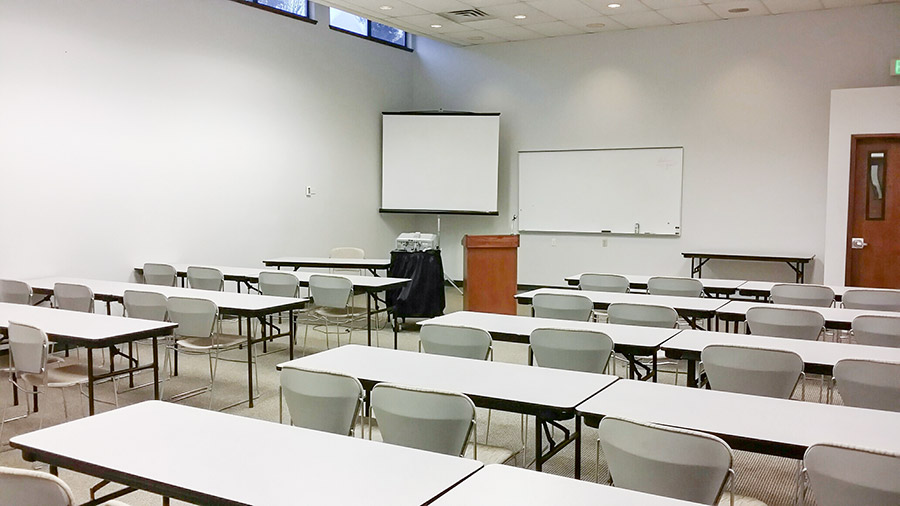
{"points": [[440, 162]]}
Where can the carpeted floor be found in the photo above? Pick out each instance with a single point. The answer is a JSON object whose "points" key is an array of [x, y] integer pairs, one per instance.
{"points": [[768, 479]]}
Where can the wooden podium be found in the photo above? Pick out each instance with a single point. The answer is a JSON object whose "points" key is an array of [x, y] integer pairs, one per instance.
{"points": [[489, 267]]}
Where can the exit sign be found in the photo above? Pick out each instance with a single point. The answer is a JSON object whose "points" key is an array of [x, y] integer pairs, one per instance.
{"points": [[895, 68]]}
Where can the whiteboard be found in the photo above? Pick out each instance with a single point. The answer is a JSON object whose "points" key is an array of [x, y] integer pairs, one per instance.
{"points": [[441, 162], [617, 191]]}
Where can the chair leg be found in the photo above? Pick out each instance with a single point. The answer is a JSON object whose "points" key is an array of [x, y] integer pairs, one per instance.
{"points": [[487, 431], [212, 376]]}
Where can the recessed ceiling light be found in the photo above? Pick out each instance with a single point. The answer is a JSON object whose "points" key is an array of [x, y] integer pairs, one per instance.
{"points": [[436, 26], [520, 16], [595, 25], [385, 7], [476, 37], [738, 10], [614, 6]]}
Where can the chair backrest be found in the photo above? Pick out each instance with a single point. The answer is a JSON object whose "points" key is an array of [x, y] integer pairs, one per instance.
{"points": [[868, 383], [574, 350], [321, 400], [877, 330], [455, 341], [28, 347], [603, 282], [279, 284], [754, 371], [195, 317], [73, 297], [873, 300], [784, 322], [679, 287], [561, 306], [642, 315], [347, 252], [429, 420], [802, 295], [661, 460], [145, 305], [15, 292], [841, 475], [205, 278], [330, 291], [159, 274], [24, 487]]}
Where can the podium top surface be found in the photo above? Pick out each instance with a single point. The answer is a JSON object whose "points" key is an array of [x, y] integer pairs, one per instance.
{"points": [[491, 241]]}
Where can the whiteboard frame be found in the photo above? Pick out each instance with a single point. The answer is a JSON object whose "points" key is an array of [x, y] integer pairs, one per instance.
{"points": [[675, 234]]}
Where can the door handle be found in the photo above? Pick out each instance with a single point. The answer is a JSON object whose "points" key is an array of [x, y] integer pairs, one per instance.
{"points": [[858, 243]]}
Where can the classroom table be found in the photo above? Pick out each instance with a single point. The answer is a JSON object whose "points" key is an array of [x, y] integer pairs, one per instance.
{"points": [[763, 289], [373, 265], [499, 484], [818, 357], [836, 318], [780, 427], [92, 331], [241, 305], [369, 285], [796, 263], [196, 455], [629, 340], [548, 394], [712, 287], [689, 308]]}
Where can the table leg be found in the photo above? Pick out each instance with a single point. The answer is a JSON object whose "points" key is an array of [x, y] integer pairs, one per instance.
{"points": [[90, 364], [692, 373], [537, 443], [654, 368], [155, 369], [249, 361], [131, 359], [369, 318], [291, 330], [578, 446]]}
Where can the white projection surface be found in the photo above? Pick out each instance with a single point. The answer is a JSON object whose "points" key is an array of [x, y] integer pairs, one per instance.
{"points": [[440, 163], [615, 191]]}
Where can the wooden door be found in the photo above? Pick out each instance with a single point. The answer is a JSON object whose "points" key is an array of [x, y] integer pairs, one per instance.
{"points": [[873, 227]]}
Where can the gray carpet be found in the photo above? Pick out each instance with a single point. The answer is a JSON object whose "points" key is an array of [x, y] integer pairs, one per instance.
{"points": [[768, 479]]}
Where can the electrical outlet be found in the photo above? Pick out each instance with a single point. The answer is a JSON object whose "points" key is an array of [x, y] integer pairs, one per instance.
{"points": [[605, 243], [309, 192]]}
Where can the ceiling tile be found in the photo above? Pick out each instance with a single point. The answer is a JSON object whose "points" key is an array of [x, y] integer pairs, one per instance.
{"points": [[780, 6], [487, 24], [670, 4], [724, 9], [641, 19], [626, 6], [515, 33], [441, 5], [830, 4], [398, 8], [474, 37], [555, 29], [564, 9], [484, 3], [591, 24], [508, 11], [692, 14], [424, 23]]}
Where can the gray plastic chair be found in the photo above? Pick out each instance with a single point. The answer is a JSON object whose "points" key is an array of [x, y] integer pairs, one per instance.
{"points": [[754, 371], [873, 300], [678, 287], [347, 252], [333, 299], [561, 306], [868, 383], [840, 475], [603, 282], [159, 274], [24, 487], [321, 400], [574, 350], [15, 292], [783, 322], [665, 461], [205, 278], [642, 315], [72, 297], [455, 341], [144, 305], [430, 420], [877, 330], [279, 284], [802, 295]]}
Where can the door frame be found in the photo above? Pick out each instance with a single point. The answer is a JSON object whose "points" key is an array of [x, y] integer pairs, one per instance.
{"points": [[854, 173]]}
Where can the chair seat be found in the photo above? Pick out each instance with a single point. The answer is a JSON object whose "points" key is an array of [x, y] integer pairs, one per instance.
{"points": [[222, 342], [62, 376], [332, 312], [739, 500]]}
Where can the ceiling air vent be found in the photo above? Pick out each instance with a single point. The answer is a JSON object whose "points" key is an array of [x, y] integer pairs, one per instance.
{"points": [[466, 15]]}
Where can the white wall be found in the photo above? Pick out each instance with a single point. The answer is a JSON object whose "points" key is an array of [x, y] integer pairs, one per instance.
{"points": [[186, 131], [854, 111], [747, 98]]}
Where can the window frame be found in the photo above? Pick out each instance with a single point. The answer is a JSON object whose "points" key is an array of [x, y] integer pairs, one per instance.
{"points": [[255, 4], [368, 36]]}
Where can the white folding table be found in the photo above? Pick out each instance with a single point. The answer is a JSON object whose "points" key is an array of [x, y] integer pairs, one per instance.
{"points": [[242, 305], [373, 265], [547, 394], [92, 331], [629, 340], [818, 357], [836, 318], [767, 425], [689, 308], [763, 289], [207, 457], [712, 287], [498, 484]]}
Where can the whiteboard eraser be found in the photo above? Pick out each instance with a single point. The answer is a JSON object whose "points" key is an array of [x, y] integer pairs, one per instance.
{"points": [[606, 231]]}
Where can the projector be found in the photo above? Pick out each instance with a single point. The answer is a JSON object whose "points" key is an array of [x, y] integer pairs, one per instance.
{"points": [[416, 241]]}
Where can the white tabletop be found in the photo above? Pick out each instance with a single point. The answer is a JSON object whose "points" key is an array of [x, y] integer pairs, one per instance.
{"points": [[82, 328], [834, 316], [786, 423], [252, 273], [702, 304], [641, 280], [222, 457], [523, 326], [817, 353], [362, 263], [227, 301], [498, 484], [519, 384]]}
